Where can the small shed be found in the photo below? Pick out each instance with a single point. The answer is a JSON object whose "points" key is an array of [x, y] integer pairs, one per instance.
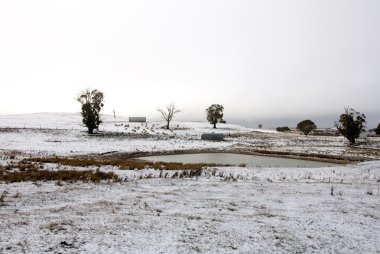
{"points": [[213, 136], [137, 119]]}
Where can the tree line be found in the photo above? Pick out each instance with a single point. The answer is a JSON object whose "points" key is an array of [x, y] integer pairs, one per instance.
{"points": [[350, 124], [93, 101]]}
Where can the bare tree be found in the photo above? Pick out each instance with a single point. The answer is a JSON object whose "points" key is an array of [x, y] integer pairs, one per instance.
{"points": [[168, 113]]}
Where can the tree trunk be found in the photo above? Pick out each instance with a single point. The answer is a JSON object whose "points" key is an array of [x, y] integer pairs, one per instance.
{"points": [[167, 125], [214, 125], [90, 131]]}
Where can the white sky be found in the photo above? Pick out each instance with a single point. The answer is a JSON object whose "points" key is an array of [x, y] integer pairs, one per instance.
{"points": [[260, 59]]}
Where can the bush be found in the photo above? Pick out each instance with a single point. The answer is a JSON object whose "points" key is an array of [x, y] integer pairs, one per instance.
{"points": [[377, 130], [283, 129]]}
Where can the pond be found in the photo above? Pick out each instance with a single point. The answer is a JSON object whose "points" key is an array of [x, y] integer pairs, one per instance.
{"points": [[237, 159]]}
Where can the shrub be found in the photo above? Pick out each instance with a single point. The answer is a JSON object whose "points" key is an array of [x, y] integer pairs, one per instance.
{"points": [[283, 129], [2, 198], [377, 130]]}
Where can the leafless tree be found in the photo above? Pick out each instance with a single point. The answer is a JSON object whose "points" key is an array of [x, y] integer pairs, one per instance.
{"points": [[168, 113]]}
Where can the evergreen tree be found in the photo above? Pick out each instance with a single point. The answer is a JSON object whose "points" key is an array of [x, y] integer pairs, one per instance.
{"points": [[214, 114], [306, 126], [351, 124], [92, 103]]}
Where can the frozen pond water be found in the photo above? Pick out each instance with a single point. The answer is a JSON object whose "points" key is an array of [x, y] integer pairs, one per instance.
{"points": [[237, 159]]}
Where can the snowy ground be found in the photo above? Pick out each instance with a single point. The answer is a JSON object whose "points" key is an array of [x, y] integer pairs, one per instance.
{"points": [[63, 134], [266, 210], [225, 210]]}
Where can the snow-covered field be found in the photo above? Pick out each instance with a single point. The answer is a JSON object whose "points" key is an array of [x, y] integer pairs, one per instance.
{"points": [[63, 134], [266, 210], [225, 210]]}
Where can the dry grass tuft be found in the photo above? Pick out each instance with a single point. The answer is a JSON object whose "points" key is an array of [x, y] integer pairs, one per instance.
{"points": [[2, 198]]}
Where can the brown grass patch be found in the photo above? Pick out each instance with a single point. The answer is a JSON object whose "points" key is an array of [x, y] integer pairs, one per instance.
{"points": [[35, 175], [32, 169], [120, 163]]}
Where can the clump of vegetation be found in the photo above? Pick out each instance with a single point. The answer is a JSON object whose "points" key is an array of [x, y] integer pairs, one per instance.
{"points": [[32, 169], [214, 114], [306, 126], [92, 103], [121, 164], [351, 124], [377, 130], [20, 165], [283, 129], [35, 175], [2, 198]]}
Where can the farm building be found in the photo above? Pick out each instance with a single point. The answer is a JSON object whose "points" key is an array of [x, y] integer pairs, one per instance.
{"points": [[137, 119], [213, 136]]}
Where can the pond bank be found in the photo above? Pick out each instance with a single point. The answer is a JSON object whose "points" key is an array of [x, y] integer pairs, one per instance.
{"points": [[246, 151], [250, 161]]}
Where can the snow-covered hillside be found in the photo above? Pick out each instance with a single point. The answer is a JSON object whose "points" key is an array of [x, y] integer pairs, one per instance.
{"points": [[63, 133], [73, 121]]}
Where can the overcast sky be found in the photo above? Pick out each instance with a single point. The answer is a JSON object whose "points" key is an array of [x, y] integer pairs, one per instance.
{"points": [[264, 61]]}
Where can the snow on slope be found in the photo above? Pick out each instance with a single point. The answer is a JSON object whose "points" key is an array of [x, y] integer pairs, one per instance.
{"points": [[70, 121], [62, 133]]}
